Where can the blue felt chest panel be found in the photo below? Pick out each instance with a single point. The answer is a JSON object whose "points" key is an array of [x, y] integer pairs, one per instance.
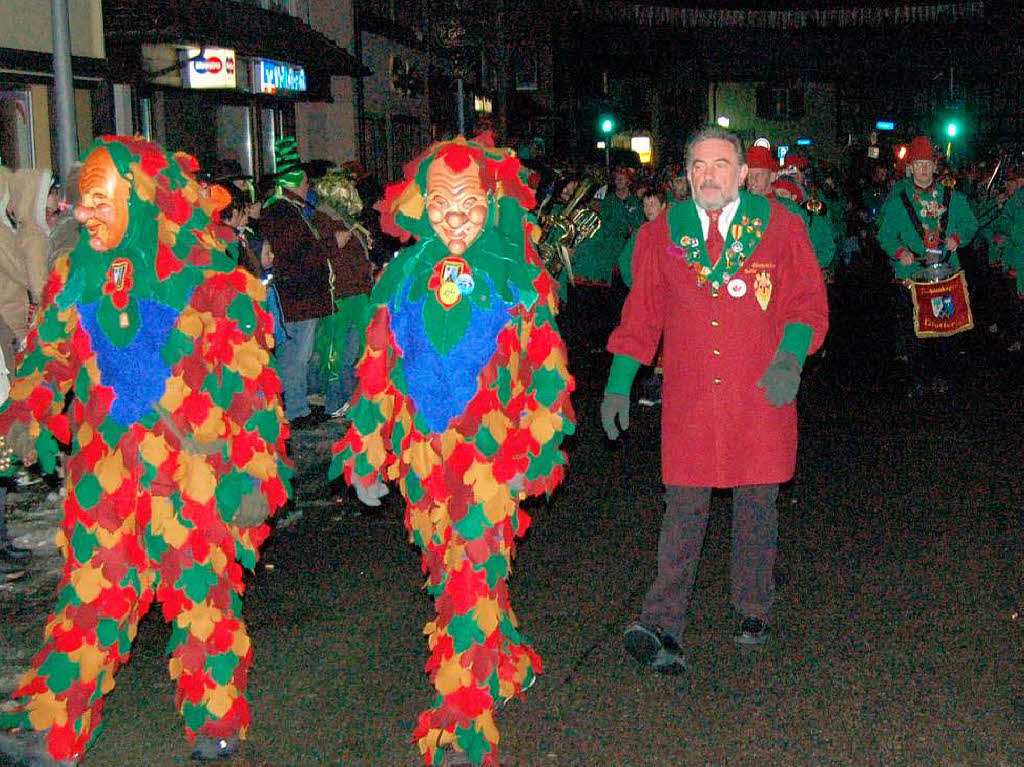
{"points": [[136, 373], [441, 385]]}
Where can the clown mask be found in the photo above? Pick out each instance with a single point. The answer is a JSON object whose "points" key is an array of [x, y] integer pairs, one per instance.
{"points": [[104, 207], [456, 205]]}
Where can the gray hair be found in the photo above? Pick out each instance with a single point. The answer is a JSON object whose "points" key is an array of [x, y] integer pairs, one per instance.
{"points": [[714, 132]]}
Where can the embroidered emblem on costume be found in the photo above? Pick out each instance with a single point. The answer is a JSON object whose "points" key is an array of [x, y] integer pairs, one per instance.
{"points": [[119, 269], [763, 289], [736, 247], [737, 288], [943, 307], [448, 291]]}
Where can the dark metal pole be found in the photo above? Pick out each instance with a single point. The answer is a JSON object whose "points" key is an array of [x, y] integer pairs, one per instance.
{"points": [[63, 89], [460, 111]]}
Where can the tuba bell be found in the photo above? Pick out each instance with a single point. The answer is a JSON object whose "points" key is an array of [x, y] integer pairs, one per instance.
{"points": [[563, 231]]}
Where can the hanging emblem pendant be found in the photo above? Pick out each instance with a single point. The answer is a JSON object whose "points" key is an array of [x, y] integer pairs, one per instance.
{"points": [[452, 280]]}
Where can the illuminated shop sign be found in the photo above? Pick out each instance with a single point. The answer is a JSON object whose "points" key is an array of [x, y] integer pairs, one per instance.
{"points": [[208, 68], [270, 76]]}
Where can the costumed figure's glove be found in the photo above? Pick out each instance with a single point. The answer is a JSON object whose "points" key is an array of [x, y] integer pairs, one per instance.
{"points": [[252, 511], [612, 406], [782, 379], [20, 444], [370, 495]]}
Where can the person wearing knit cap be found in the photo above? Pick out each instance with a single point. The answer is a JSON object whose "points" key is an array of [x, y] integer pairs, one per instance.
{"points": [[729, 283], [923, 223], [763, 170], [763, 179]]}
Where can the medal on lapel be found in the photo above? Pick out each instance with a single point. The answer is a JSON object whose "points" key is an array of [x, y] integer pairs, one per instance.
{"points": [[763, 289]]}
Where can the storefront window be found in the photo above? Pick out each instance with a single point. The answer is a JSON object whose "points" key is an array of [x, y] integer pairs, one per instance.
{"points": [[16, 128], [234, 139]]}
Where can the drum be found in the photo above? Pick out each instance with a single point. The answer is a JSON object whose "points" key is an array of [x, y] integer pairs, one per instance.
{"points": [[942, 305], [937, 272]]}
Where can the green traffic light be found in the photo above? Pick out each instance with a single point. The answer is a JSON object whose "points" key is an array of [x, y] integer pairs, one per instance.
{"points": [[607, 125], [951, 130]]}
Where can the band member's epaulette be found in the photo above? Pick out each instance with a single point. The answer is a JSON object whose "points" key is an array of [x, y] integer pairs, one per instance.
{"points": [[949, 181], [815, 207]]}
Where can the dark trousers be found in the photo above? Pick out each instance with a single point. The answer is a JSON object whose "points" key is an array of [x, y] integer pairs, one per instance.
{"points": [[928, 359], [755, 532]]}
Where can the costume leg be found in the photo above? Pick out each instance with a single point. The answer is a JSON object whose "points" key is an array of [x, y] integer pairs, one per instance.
{"points": [[104, 591], [755, 533], [200, 587], [478, 657], [679, 547]]}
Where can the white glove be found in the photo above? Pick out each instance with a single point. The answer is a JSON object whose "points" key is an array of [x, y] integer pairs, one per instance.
{"points": [[370, 496]]}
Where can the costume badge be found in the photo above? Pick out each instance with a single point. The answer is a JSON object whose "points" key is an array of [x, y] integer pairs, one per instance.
{"points": [[120, 270], [446, 280], [737, 288], [736, 230], [763, 289]]}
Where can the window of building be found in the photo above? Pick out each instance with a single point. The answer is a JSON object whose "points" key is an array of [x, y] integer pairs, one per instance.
{"points": [[779, 101], [16, 128]]}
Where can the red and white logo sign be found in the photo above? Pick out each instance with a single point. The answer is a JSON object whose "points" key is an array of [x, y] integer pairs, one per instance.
{"points": [[209, 68]]}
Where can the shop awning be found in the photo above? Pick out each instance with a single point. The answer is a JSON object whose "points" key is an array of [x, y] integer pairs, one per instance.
{"points": [[248, 29]]}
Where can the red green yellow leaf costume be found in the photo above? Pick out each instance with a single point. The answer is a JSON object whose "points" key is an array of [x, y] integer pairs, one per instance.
{"points": [[175, 426], [463, 399]]}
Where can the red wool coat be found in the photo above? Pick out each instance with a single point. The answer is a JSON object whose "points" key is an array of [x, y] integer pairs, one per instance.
{"points": [[718, 429]]}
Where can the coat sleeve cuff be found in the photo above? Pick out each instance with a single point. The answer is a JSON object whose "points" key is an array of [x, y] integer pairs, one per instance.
{"points": [[900, 252], [620, 377], [796, 339]]}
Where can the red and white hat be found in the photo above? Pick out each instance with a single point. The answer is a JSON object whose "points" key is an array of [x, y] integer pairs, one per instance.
{"points": [[794, 190], [760, 158]]}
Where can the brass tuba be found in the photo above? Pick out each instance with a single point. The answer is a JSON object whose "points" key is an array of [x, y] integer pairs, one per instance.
{"points": [[562, 232]]}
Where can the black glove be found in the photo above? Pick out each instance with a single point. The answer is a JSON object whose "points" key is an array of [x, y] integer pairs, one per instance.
{"points": [[782, 379], [611, 406]]}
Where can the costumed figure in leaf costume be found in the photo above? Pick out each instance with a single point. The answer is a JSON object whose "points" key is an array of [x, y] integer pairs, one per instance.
{"points": [[463, 399], [177, 451]]}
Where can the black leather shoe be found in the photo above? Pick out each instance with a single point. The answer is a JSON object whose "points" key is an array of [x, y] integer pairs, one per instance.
{"points": [[652, 647]]}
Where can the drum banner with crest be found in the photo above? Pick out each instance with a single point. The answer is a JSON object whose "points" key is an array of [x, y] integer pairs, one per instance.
{"points": [[941, 308]]}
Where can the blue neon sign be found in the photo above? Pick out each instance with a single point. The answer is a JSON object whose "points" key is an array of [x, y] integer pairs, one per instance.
{"points": [[277, 76]]}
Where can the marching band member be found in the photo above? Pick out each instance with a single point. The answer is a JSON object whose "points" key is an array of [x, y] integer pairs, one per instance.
{"points": [[924, 224]]}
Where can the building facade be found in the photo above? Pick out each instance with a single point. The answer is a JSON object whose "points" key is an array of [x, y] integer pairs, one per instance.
{"points": [[26, 79], [223, 79]]}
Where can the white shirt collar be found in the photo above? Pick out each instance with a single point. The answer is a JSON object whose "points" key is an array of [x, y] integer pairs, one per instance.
{"points": [[728, 212]]}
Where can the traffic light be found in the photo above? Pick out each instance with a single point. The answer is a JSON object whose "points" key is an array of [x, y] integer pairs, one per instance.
{"points": [[952, 128], [606, 124]]}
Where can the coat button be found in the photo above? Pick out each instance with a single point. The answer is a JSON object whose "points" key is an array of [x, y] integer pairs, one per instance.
{"points": [[716, 352], [718, 380], [714, 323]]}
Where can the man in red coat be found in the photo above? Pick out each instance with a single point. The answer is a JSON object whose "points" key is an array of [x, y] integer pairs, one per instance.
{"points": [[730, 283]]}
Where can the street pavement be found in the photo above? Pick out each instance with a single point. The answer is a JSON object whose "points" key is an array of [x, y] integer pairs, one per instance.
{"points": [[896, 632]]}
